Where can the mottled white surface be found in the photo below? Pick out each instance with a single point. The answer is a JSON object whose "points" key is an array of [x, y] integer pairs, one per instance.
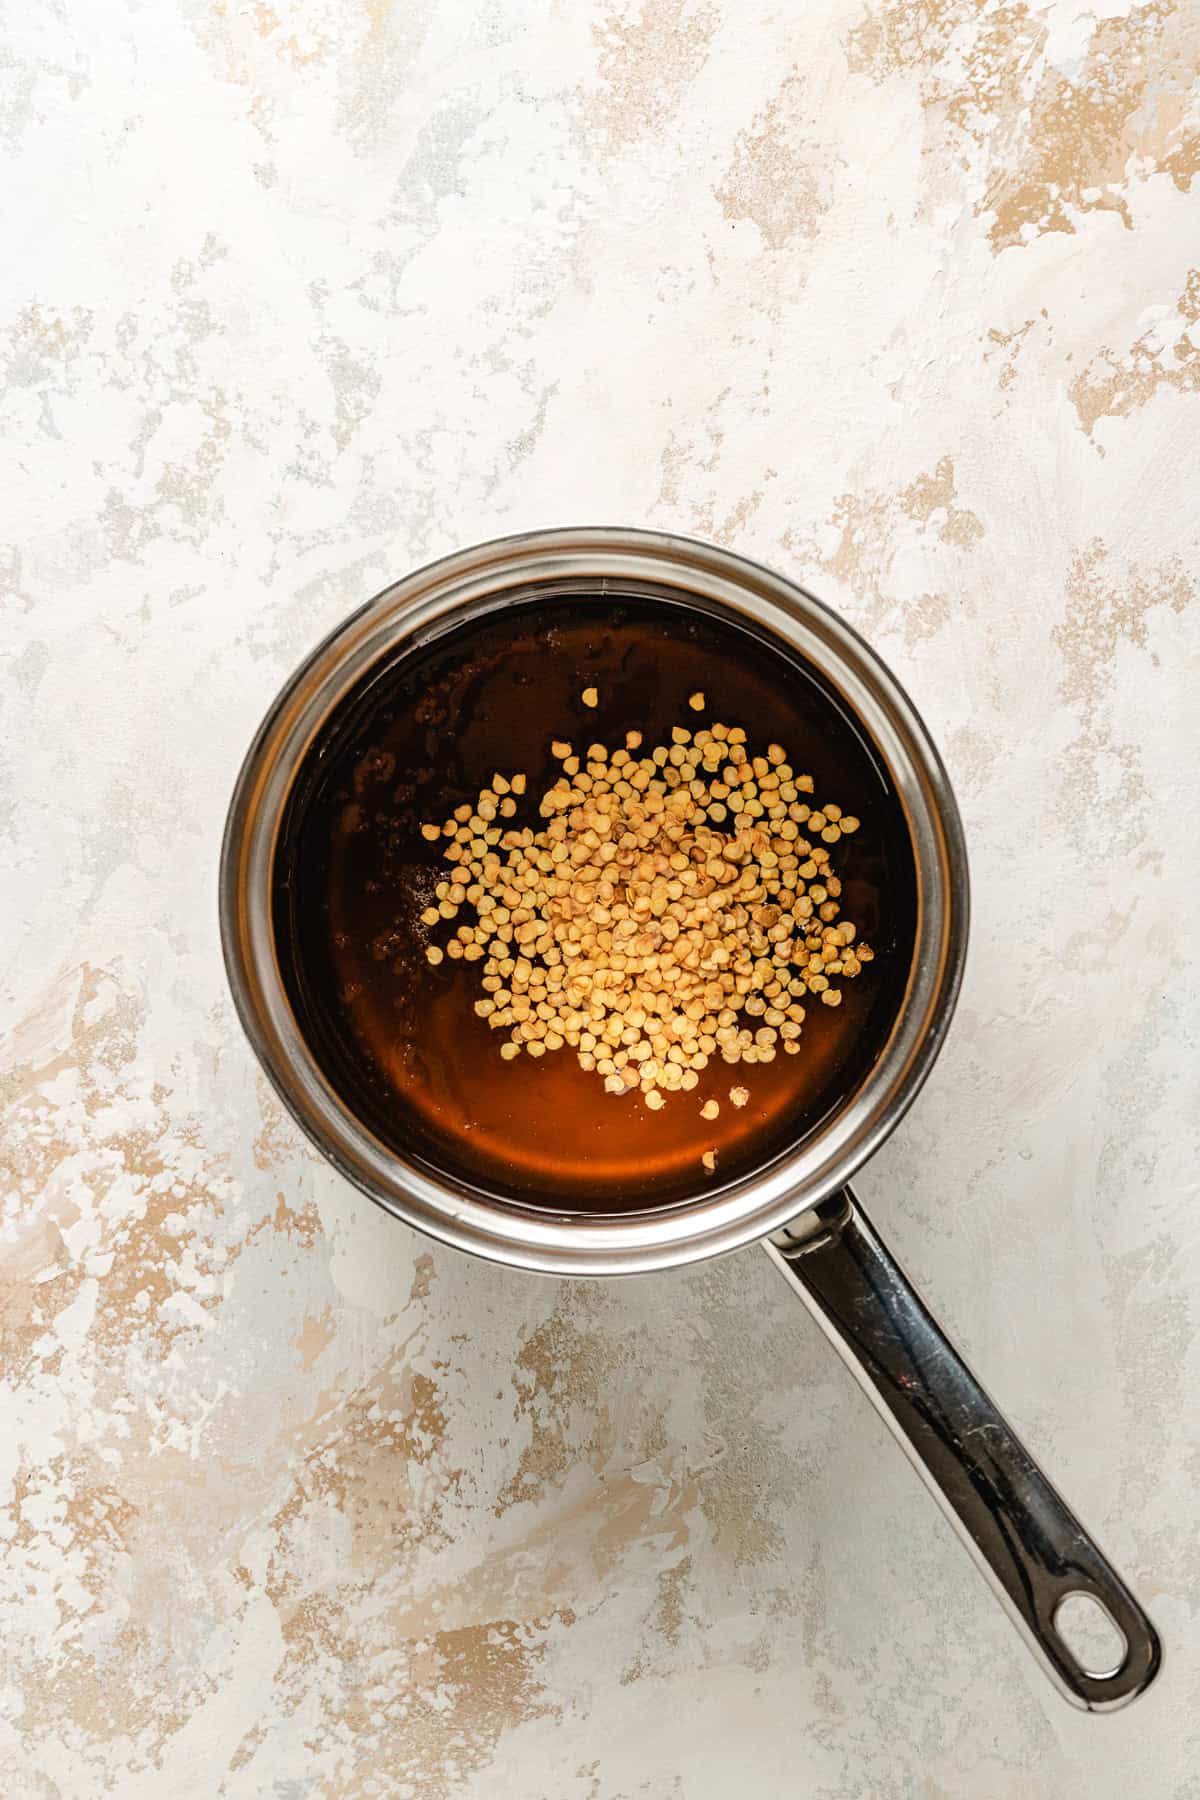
{"points": [[901, 298]]}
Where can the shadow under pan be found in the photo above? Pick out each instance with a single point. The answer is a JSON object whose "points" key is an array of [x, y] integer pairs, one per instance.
{"points": [[399, 1039]]}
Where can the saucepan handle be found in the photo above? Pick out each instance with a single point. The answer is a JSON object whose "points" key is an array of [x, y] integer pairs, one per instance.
{"points": [[1025, 1539]]}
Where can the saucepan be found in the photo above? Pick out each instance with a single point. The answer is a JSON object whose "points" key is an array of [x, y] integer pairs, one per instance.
{"points": [[1032, 1549]]}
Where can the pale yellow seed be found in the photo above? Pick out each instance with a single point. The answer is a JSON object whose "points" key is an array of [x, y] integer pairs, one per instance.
{"points": [[696, 702], [710, 1109], [709, 1159], [831, 996], [848, 823], [590, 696], [508, 1051], [646, 923], [739, 1095], [434, 955], [654, 1100], [431, 833]]}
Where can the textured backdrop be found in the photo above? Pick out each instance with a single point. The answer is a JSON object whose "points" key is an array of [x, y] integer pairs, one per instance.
{"points": [[903, 299]]}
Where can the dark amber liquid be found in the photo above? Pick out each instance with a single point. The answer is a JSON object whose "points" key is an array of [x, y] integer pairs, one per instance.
{"points": [[400, 1039]]}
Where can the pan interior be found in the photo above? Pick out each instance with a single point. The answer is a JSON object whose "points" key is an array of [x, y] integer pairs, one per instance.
{"points": [[400, 1041]]}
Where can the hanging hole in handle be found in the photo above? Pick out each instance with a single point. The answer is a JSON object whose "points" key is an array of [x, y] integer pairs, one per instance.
{"points": [[1092, 1635]]}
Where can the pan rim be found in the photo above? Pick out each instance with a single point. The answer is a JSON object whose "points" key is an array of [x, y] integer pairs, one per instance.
{"points": [[449, 591]]}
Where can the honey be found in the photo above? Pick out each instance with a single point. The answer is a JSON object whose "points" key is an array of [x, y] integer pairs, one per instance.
{"points": [[398, 1035]]}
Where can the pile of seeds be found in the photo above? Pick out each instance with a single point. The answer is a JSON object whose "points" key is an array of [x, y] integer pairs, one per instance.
{"points": [[674, 906]]}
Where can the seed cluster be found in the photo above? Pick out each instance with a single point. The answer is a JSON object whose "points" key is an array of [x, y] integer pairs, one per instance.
{"points": [[672, 907]]}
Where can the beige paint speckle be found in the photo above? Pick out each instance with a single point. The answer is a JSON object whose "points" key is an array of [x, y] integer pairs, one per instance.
{"points": [[1062, 134], [930, 500], [774, 180], [1164, 358], [1119, 112], [647, 54], [1106, 609]]}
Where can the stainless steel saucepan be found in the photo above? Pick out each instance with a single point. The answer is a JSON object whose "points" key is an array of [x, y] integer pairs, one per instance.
{"points": [[1022, 1535]]}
